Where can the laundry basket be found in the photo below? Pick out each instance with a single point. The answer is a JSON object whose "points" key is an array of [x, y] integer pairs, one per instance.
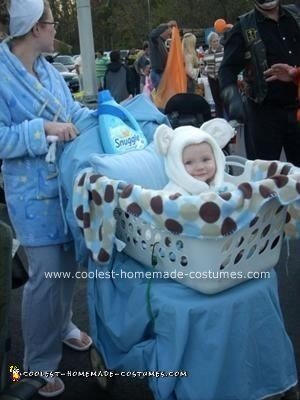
{"points": [[209, 242], [210, 264]]}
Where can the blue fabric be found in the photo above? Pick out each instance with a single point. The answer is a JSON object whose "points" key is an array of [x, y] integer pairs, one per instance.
{"points": [[76, 156], [233, 345], [143, 167], [31, 185]]}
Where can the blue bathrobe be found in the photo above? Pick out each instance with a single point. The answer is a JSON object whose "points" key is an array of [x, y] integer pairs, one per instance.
{"points": [[31, 184]]}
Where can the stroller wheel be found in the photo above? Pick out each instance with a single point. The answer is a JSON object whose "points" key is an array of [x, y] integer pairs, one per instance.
{"points": [[98, 366]]}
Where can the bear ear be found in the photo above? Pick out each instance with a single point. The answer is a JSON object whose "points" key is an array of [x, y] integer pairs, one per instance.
{"points": [[162, 138], [220, 130]]}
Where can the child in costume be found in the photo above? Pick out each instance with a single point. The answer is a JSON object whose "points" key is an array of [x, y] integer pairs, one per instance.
{"points": [[194, 160]]}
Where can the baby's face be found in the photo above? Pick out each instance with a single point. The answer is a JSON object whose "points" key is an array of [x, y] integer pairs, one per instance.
{"points": [[199, 161]]}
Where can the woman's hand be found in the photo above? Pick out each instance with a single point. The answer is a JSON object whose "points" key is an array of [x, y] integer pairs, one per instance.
{"points": [[281, 72], [63, 130]]}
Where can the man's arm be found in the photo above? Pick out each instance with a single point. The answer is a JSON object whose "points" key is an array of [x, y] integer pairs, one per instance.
{"points": [[232, 64]]}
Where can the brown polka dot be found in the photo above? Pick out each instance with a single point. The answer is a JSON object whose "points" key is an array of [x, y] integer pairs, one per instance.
{"points": [[134, 209], [287, 218], [246, 189], [96, 197], [86, 220], [94, 177], [272, 169], [175, 196], [173, 226], [209, 212], [103, 255], [81, 180], [126, 192], [156, 204], [225, 195], [265, 191], [285, 169], [280, 180], [79, 213], [109, 194], [298, 187], [228, 226]]}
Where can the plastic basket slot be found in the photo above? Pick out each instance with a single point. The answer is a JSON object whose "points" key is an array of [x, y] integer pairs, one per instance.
{"points": [[172, 256], [225, 263], [239, 257], [168, 241], [253, 222], [251, 252], [144, 244], [184, 261], [263, 247], [279, 209], [126, 215], [179, 245], [265, 231], [275, 242], [240, 241], [161, 252]]}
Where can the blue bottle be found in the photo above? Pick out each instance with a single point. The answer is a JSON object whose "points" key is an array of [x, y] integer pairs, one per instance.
{"points": [[119, 131]]}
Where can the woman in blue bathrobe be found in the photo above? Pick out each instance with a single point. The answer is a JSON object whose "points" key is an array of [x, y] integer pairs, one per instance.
{"points": [[36, 104]]}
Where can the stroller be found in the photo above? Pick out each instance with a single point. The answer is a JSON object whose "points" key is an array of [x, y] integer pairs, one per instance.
{"points": [[190, 109], [159, 328], [187, 109]]}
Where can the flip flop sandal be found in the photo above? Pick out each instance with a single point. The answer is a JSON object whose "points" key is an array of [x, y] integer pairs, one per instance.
{"points": [[76, 334], [56, 392]]}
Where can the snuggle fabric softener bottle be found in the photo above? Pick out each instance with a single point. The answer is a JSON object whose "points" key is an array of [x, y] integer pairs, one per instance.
{"points": [[119, 131]]}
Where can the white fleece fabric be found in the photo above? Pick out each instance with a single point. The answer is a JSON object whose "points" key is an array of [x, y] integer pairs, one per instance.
{"points": [[171, 143]]}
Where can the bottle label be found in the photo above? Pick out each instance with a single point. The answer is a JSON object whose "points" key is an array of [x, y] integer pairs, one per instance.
{"points": [[126, 139]]}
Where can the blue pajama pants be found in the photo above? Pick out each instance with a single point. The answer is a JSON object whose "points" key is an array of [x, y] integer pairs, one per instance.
{"points": [[46, 308]]}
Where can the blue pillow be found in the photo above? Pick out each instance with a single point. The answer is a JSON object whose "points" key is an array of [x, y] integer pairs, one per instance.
{"points": [[142, 167]]}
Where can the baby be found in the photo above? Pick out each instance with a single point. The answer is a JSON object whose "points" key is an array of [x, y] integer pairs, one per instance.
{"points": [[194, 160]]}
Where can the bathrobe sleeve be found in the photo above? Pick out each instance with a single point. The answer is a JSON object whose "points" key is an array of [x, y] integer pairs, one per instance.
{"points": [[23, 139]]}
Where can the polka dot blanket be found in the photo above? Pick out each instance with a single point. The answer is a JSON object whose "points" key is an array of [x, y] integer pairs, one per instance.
{"points": [[96, 199]]}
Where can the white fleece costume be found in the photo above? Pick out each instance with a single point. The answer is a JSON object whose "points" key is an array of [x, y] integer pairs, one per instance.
{"points": [[171, 143]]}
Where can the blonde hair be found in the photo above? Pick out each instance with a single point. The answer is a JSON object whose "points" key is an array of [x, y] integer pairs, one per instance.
{"points": [[189, 48], [189, 42]]}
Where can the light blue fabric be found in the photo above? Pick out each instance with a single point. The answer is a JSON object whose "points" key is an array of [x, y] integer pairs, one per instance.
{"points": [[233, 345], [30, 183], [76, 157], [144, 167]]}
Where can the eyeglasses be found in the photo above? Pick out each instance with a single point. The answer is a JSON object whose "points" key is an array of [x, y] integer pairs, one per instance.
{"points": [[54, 23]]}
